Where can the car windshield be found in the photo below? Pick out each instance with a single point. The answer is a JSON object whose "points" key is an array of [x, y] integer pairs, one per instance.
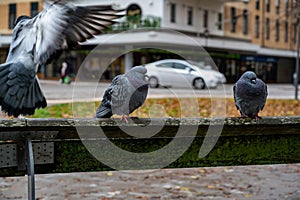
{"points": [[201, 65]]}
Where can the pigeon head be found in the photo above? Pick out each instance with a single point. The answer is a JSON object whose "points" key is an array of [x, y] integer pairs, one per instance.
{"points": [[137, 76], [139, 69], [249, 76], [137, 72], [20, 18]]}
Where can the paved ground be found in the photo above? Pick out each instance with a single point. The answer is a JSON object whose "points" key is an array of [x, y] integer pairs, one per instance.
{"points": [[84, 91], [243, 182]]}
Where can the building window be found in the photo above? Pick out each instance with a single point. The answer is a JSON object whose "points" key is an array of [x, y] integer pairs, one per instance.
{"points": [[34, 9], [286, 31], [257, 26], [277, 5], [12, 15], [268, 28], [268, 5], [245, 22], [257, 4], [286, 7], [173, 12], [295, 32], [220, 21], [190, 15], [233, 19], [277, 29], [294, 3], [205, 19]]}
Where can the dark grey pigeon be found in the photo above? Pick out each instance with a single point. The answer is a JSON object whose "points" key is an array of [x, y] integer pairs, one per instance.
{"points": [[37, 42], [126, 93], [250, 95]]}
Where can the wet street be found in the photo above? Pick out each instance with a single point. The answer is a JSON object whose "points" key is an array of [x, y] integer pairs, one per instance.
{"points": [[89, 91], [242, 182]]}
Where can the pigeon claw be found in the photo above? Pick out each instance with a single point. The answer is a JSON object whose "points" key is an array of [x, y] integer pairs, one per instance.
{"points": [[256, 117], [125, 118]]}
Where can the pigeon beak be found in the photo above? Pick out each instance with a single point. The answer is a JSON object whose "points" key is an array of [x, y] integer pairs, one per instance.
{"points": [[146, 77], [253, 81]]}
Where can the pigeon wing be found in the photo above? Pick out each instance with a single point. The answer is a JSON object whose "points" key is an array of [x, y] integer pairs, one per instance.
{"points": [[120, 96], [104, 110], [235, 96], [22, 40], [65, 24], [265, 96], [138, 98]]}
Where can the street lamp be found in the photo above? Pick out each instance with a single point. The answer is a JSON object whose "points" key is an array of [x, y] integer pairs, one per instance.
{"points": [[296, 75]]}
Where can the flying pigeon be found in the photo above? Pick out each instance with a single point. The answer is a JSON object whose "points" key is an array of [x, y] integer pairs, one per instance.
{"points": [[250, 95], [38, 41], [126, 93]]}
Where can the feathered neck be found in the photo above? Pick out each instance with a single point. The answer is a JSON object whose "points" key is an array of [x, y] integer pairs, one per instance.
{"points": [[137, 80]]}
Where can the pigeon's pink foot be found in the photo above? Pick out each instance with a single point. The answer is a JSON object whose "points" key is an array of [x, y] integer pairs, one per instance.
{"points": [[256, 117], [125, 118]]}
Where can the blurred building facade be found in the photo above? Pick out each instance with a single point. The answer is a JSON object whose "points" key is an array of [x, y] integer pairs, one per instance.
{"points": [[273, 26], [258, 35]]}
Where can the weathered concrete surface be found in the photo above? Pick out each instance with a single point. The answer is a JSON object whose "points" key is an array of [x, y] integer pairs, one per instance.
{"points": [[230, 126], [271, 140], [242, 182]]}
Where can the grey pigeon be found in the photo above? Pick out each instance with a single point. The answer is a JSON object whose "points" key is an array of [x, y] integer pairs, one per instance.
{"points": [[37, 42], [126, 93], [250, 95]]}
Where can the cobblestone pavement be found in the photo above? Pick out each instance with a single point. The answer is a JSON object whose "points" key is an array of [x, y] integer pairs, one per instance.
{"points": [[241, 182]]}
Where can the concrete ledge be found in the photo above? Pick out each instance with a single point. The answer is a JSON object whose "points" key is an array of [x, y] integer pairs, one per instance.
{"points": [[271, 140], [231, 126]]}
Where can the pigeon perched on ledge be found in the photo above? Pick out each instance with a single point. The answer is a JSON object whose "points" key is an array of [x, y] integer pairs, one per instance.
{"points": [[38, 41], [126, 93], [250, 95]]}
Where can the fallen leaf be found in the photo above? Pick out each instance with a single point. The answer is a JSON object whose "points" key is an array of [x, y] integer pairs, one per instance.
{"points": [[167, 187], [210, 187], [195, 177], [247, 195], [109, 174], [228, 170], [185, 188]]}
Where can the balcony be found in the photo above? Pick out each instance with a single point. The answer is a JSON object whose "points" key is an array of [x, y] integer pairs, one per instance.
{"points": [[136, 22]]}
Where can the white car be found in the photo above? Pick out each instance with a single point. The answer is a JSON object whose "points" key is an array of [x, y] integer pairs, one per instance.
{"points": [[218, 75], [179, 73]]}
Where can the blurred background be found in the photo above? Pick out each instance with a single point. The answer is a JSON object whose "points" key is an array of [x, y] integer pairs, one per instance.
{"points": [[238, 35]]}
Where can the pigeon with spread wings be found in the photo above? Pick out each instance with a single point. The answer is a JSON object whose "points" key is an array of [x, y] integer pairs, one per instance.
{"points": [[38, 41]]}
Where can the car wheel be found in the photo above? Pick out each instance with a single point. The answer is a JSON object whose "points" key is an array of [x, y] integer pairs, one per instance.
{"points": [[199, 83], [153, 82]]}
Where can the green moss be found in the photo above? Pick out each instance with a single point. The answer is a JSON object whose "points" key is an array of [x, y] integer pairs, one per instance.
{"points": [[229, 151], [72, 156]]}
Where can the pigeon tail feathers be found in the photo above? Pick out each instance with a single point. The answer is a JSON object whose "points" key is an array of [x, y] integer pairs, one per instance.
{"points": [[103, 112], [20, 92]]}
